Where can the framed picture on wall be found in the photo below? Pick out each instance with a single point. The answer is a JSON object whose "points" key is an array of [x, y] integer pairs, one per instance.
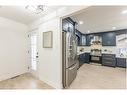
{"points": [[47, 39]]}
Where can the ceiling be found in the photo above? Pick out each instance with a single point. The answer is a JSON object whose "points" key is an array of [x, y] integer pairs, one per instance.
{"points": [[20, 14], [101, 18]]}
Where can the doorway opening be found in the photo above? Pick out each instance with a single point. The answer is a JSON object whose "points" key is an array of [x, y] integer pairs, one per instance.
{"points": [[34, 53], [33, 40], [97, 43]]}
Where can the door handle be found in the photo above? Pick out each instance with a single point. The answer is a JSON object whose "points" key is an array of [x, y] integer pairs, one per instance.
{"points": [[72, 67]]}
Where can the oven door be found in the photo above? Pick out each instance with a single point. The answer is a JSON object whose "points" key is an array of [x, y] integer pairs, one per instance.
{"points": [[95, 59]]}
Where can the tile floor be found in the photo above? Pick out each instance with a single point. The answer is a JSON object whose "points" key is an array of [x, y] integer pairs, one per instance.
{"points": [[24, 81], [92, 76]]}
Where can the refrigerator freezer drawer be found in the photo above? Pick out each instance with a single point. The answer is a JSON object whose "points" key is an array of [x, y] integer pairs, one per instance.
{"points": [[71, 74]]}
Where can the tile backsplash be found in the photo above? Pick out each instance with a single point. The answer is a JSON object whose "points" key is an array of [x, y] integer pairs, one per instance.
{"points": [[121, 45], [122, 52], [109, 49], [84, 49]]}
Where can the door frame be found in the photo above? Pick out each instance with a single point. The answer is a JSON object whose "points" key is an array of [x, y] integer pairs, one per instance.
{"points": [[33, 72]]}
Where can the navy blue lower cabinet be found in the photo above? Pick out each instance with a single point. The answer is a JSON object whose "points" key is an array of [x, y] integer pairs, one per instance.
{"points": [[109, 60], [81, 58], [87, 57], [84, 58], [121, 62]]}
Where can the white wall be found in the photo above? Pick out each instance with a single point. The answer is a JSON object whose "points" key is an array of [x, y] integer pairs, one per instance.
{"points": [[50, 59], [13, 48], [49, 63]]}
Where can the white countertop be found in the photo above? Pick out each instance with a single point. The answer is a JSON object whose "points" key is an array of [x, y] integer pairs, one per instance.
{"points": [[85, 50], [105, 50], [121, 56], [78, 53]]}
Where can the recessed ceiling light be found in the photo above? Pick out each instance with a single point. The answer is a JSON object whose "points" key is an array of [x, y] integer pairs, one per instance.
{"points": [[113, 28], [88, 31], [124, 12], [81, 22]]}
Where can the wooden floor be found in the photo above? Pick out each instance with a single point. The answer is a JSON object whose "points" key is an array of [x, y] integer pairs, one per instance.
{"points": [[25, 81], [93, 76]]}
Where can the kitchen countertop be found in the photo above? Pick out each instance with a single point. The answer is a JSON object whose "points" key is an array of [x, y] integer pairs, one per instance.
{"points": [[79, 53], [121, 57], [107, 53]]}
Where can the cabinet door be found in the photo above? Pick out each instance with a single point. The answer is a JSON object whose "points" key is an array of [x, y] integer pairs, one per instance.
{"points": [[70, 27], [78, 40], [81, 58], [88, 39], [87, 57], [109, 63], [78, 34], [109, 39], [108, 60], [65, 25], [121, 62], [83, 39]]}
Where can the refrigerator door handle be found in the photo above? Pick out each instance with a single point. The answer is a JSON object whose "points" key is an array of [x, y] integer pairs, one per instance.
{"points": [[72, 67]]}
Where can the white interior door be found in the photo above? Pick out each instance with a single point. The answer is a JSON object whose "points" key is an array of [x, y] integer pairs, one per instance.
{"points": [[34, 53]]}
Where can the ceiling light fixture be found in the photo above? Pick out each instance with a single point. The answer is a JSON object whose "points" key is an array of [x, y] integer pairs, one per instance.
{"points": [[88, 31], [81, 22], [113, 28], [124, 12], [35, 8]]}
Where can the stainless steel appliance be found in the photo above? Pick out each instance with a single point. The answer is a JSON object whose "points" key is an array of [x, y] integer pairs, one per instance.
{"points": [[69, 58], [96, 45], [96, 40]]}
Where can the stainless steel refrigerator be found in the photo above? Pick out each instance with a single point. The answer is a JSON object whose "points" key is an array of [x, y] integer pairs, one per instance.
{"points": [[69, 58]]}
